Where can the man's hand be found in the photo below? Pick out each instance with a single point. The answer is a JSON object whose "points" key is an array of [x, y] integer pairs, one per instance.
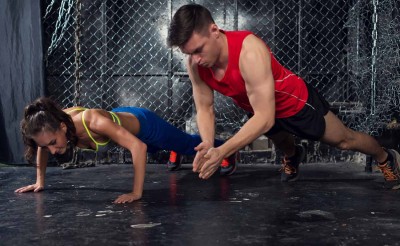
{"points": [[199, 159], [33, 187], [127, 198], [213, 161]]}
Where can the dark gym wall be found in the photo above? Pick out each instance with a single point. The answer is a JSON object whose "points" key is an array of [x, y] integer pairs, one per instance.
{"points": [[21, 71]]}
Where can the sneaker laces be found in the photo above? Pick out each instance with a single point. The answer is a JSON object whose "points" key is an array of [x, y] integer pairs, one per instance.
{"points": [[387, 172], [173, 156], [287, 168]]}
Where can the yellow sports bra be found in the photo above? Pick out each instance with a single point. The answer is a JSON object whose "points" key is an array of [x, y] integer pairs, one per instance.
{"points": [[100, 147]]}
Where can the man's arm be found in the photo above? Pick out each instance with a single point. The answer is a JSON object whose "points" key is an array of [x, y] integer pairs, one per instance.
{"points": [[255, 68], [204, 100]]}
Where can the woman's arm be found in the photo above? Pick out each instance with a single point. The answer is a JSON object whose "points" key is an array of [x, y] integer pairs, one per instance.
{"points": [[41, 164], [101, 125]]}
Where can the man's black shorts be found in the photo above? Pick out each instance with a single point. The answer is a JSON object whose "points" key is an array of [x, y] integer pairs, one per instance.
{"points": [[309, 122]]}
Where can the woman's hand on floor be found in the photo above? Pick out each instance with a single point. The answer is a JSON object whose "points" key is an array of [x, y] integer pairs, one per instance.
{"points": [[127, 198], [33, 187]]}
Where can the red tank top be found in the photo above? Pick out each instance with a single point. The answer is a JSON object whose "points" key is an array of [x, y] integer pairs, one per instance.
{"points": [[290, 90]]}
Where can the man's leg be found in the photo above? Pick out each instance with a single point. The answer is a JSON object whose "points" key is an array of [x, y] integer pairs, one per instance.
{"points": [[342, 137], [284, 141], [294, 155], [338, 135]]}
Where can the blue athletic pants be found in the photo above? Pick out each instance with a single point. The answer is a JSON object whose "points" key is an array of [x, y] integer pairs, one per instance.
{"points": [[161, 135]]}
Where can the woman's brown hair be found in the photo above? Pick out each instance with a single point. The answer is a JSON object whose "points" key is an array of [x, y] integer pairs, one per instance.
{"points": [[44, 114]]}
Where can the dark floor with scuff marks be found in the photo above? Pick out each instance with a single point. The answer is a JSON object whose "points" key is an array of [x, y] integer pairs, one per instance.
{"points": [[331, 204]]}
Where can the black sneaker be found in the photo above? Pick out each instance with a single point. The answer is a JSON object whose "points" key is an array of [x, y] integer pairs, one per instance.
{"points": [[175, 161], [290, 166], [391, 171], [228, 166]]}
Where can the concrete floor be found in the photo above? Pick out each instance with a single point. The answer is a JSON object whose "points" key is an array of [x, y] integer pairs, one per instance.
{"points": [[331, 204]]}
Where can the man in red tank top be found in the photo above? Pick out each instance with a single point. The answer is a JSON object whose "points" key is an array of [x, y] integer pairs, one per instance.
{"points": [[240, 65]]}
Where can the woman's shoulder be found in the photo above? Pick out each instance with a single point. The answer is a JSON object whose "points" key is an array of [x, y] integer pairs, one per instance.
{"points": [[80, 109], [74, 109], [86, 113]]}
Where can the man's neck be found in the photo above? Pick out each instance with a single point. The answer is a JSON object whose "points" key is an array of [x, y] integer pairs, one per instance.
{"points": [[222, 61]]}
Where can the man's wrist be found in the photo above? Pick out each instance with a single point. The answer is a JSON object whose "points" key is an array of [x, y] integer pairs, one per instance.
{"points": [[210, 143], [224, 150]]}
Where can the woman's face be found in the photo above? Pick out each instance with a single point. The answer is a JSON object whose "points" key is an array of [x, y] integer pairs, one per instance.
{"points": [[55, 141]]}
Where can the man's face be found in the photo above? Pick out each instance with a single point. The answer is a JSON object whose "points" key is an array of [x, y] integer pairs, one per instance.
{"points": [[202, 47], [55, 142]]}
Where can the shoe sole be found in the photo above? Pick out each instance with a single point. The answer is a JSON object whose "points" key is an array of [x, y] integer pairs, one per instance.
{"points": [[294, 179], [396, 187], [229, 173], [176, 168], [290, 180]]}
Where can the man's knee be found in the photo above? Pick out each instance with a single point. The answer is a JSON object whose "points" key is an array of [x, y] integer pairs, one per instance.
{"points": [[343, 145], [347, 142]]}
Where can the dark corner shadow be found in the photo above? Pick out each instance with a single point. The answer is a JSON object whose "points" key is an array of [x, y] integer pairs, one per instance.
{"points": [[4, 144]]}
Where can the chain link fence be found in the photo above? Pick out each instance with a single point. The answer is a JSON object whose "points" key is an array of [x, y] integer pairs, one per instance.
{"points": [[106, 54]]}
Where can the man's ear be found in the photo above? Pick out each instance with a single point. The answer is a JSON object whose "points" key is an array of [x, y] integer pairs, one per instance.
{"points": [[214, 29]]}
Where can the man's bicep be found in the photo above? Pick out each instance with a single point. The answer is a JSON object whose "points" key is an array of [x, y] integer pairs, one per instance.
{"points": [[257, 73], [262, 99]]}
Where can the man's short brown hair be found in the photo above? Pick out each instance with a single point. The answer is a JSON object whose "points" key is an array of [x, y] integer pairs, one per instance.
{"points": [[187, 19]]}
